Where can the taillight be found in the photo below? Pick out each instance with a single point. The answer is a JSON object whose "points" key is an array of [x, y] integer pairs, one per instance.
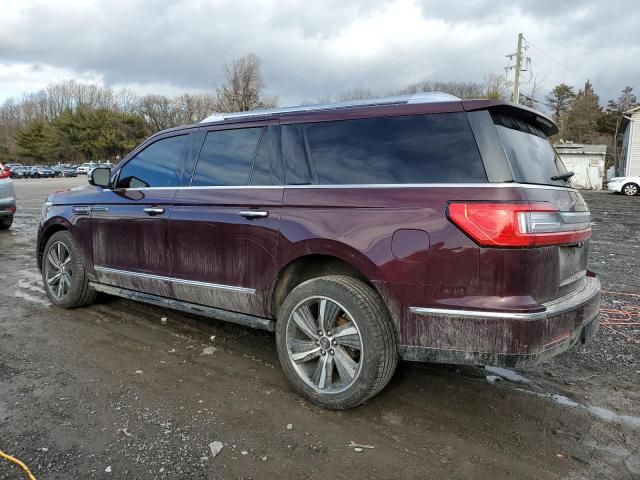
{"points": [[4, 172], [519, 224]]}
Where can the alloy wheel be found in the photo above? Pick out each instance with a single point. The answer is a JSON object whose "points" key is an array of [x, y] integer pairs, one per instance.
{"points": [[58, 271], [630, 189], [324, 344]]}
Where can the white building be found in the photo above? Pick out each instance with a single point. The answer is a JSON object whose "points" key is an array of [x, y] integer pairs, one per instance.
{"points": [[629, 161], [586, 161]]}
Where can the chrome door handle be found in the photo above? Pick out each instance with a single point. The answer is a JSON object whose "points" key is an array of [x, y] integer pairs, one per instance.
{"points": [[154, 210], [254, 214]]}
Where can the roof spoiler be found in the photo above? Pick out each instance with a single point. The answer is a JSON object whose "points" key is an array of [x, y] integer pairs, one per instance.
{"points": [[527, 114]]}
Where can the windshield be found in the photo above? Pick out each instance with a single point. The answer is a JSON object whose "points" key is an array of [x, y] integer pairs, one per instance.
{"points": [[533, 159]]}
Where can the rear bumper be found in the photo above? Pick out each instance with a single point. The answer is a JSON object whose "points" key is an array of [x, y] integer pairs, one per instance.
{"points": [[505, 339]]}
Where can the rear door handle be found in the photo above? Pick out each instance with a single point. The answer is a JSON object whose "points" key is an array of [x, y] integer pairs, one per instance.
{"points": [[254, 214], [154, 211]]}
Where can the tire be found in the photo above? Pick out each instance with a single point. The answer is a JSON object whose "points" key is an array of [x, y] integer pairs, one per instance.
{"points": [[358, 357], [6, 222], [630, 189], [75, 291]]}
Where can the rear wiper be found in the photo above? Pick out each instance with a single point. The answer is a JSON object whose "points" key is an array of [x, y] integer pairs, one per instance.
{"points": [[564, 176]]}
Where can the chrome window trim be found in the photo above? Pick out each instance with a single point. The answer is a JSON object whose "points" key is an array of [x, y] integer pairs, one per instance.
{"points": [[362, 185], [179, 281]]}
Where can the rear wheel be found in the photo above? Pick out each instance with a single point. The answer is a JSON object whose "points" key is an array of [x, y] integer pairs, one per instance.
{"points": [[6, 222], [630, 189], [63, 273], [336, 341]]}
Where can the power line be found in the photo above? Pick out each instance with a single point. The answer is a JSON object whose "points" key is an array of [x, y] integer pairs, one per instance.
{"points": [[555, 60]]}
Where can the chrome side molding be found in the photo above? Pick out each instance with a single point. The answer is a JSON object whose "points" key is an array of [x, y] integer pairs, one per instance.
{"points": [[180, 281], [216, 313]]}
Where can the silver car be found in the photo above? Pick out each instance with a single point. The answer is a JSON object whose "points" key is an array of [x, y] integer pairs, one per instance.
{"points": [[7, 198]]}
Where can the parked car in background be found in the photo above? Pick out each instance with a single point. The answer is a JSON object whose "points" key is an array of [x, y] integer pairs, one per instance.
{"points": [[7, 198], [19, 172], [65, 170], [44, 172], [86, 167], [424, 227], [626, 185], [30, 171], [12, 165]]}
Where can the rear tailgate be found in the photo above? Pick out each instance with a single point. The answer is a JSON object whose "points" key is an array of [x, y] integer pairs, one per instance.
{"points": [[537, 166]]}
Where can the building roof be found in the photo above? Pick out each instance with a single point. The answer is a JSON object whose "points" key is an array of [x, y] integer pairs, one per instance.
{"points": [[633, 110], [570, 148]]}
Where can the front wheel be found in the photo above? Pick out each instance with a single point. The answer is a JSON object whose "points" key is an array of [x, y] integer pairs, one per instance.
{"points": [[63, 272], [630, 189], [336, 341]]}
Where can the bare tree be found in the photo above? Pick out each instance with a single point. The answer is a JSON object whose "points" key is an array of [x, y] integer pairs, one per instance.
{"points": [[496, 87], [356, 94], [244, 86]]}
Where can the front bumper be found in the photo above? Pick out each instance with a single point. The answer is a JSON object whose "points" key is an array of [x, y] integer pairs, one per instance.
{"points": [[505, 339], [7, 208], [614, 187]]}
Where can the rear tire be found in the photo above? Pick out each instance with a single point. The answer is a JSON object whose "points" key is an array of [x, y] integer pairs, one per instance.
{"points": [[336, 341], [6, 222], [630, 189], [63, 273]]}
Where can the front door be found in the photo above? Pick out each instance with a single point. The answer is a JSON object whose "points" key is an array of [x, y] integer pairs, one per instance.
{"points": [[224, 228], [130, 222]]}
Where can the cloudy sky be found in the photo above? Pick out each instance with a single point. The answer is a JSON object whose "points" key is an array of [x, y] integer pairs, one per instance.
{"points": [[312, 49]]}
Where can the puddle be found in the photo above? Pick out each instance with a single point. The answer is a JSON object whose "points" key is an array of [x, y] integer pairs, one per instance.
{"points": [[600, 412], [506, 374]]}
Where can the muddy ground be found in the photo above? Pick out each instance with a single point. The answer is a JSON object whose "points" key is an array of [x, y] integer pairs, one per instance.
{"points": [[111, 391]]}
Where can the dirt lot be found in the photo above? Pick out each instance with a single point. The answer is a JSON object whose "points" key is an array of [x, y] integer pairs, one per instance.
{"points": [[111, 391]]}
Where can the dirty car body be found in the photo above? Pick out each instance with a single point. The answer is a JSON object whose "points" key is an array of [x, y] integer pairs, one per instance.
{"points": [[453, 212]]}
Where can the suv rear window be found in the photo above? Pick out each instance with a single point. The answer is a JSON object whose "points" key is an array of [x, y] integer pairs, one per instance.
{"points": [[437, 148], [532, 158]]}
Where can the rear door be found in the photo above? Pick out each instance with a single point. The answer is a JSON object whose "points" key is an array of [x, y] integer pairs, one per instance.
{"points": [[130, 221], [224, 227]]}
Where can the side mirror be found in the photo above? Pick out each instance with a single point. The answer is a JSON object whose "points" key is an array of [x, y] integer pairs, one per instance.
{"points": [[99, 177]]}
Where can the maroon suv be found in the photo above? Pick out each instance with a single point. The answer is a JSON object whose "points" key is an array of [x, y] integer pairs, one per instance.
{"points": [[425, 228]]}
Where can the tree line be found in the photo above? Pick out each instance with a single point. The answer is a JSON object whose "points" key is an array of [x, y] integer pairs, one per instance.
{"points": [[71, 122]]}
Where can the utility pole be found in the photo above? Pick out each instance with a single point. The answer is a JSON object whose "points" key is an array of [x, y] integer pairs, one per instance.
{"points": [[522, 64], [516, 82]]}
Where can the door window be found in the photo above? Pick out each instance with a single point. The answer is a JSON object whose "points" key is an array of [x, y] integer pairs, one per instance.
{"points": [[158, 165], [226, 157]]}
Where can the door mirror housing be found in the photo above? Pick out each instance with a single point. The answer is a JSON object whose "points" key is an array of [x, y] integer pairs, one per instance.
{"points": [[100, 176]]}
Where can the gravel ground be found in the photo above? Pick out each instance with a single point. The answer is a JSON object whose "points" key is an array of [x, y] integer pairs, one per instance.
{"points": [[112, 391]]}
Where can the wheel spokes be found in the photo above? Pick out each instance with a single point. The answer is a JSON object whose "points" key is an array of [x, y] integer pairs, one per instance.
{"points": [[52, 280], [323, 374], [346, 366], [303, 350], [327, 313], [305, 321], [52, 257], [347, 336]]}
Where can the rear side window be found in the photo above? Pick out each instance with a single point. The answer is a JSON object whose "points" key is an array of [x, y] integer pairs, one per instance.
{"points": [[532, 158], [226, 157], [437, 148], [156, 166]]}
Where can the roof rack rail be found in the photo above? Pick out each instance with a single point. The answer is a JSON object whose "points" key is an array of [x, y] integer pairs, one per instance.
{"points": [[426, 97]]}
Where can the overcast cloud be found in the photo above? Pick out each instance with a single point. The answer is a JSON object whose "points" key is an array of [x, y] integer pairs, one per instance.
{"points": [[313, 49]]}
